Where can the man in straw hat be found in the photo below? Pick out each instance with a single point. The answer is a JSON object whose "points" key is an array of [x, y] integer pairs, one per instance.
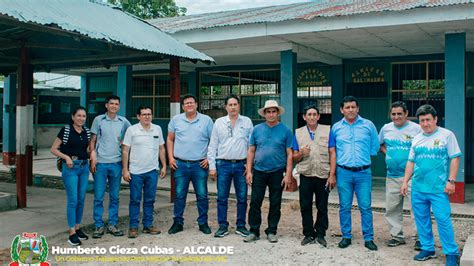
{"points": [[269, 156]]}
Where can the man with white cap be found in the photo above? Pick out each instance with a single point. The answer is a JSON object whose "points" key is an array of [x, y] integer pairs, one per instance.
{"points": [[269, 156]]}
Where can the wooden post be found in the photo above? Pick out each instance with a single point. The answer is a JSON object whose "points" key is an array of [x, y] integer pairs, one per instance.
{"points": [[175, 99], [24, 128]]}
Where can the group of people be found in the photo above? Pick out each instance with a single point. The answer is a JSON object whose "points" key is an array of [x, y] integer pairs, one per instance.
{"points": [[233, 150]]}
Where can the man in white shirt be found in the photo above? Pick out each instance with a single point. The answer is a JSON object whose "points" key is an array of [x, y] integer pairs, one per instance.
{"points": [[227, 155], [142, 144]]}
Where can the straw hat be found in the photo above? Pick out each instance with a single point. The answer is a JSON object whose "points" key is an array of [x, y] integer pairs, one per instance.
{"points": [[271, 104]]}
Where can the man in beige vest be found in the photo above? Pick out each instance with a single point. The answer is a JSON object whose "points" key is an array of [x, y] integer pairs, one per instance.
{"points": [[311, 152]]}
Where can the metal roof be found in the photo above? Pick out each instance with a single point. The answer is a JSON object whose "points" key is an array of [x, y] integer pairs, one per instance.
{"points": [[298, 11], [98, 21]]}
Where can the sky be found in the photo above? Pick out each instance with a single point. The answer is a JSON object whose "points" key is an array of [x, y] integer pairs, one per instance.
{"points": [[58, 80], [209, 6]]}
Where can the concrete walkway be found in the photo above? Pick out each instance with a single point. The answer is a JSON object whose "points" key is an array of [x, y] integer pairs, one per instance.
{"points": [[45, 213]]}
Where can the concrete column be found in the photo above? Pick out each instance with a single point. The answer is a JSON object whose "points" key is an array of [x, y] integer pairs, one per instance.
{"points": [[84, 91], [124, 90], [455, 99], [9, 122], [288, 96], [337, 77]]}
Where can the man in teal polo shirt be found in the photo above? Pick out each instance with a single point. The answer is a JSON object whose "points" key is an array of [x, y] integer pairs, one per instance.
{"points": [[395, 141]]}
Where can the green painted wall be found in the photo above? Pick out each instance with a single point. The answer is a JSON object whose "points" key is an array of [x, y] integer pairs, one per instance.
{"points": [[103, 84], [370, 75]]}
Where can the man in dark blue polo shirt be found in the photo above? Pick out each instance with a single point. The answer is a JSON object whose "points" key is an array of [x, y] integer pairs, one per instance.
{"points": [[270, 155]]}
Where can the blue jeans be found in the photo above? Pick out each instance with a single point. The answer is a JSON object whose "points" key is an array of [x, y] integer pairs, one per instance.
{"points": [[361, 183], [439, 203], [111, 172], [186, 172], [75, 181], [226, 171], [146, 182]]}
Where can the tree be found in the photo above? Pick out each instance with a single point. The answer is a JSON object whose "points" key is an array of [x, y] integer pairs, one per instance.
{"points": [[147, 9]]}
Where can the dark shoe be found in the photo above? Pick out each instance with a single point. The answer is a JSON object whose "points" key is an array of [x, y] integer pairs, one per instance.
{"points": [[132, 233], [175, 228], [307, 240], [417, 246], [251, 238], [452, 260], [221, 232], [151, 230], [205, 228], [395, 242], [322, 241], [241, 230], [272, 238], [74, 240], [345, 242], [113, 230], [99, 232], [370, 245], [425, 255], [81, 235]]}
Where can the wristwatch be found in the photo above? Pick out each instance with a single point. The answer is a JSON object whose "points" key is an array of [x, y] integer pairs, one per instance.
{"points": [[452, 182]]}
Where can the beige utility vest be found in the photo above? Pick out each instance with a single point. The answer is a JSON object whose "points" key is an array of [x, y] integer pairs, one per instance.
{"points": [[317, 163]]}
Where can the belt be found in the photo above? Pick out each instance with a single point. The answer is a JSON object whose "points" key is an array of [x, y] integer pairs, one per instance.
{"points": [[233, 161], [188, 161], [355, 169], [80, 162]]}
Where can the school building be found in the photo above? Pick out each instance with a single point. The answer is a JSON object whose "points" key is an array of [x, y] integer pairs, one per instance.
{"points": [[299, 54]]}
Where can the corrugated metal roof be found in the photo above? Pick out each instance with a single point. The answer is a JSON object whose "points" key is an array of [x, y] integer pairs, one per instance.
{"points": [[99, 21], [299, 11]]}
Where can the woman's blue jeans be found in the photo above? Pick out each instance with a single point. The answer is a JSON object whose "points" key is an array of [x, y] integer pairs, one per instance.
{"points": [[75, 181]]}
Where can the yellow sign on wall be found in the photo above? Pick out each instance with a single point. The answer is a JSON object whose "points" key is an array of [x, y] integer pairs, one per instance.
{"points": [[368, 75], [311, 77]]}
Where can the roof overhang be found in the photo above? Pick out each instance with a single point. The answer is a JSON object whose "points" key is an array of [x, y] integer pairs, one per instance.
{"points": [[68, 37], [329, 40]]}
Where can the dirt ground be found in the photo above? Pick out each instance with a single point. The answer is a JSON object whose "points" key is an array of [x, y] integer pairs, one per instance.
{"points": [[287, 251]]}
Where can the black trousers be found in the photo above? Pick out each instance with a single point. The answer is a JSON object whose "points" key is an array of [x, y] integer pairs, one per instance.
{"points": [[259, 184], [310, 186]]}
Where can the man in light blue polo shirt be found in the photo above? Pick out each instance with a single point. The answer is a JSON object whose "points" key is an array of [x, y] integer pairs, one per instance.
{"points": [[227, 155], [395, 141], [106, 164], [434, 163], [188, 138], [352, 141]]}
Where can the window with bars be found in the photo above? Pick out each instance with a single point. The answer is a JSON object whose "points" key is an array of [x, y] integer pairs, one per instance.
{"points": [[253, 87], [154, 91], [318, 95], [419, 83]]}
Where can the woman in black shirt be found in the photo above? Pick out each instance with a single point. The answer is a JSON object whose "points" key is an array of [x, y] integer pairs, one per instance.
{"points": [[71, 146]]}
